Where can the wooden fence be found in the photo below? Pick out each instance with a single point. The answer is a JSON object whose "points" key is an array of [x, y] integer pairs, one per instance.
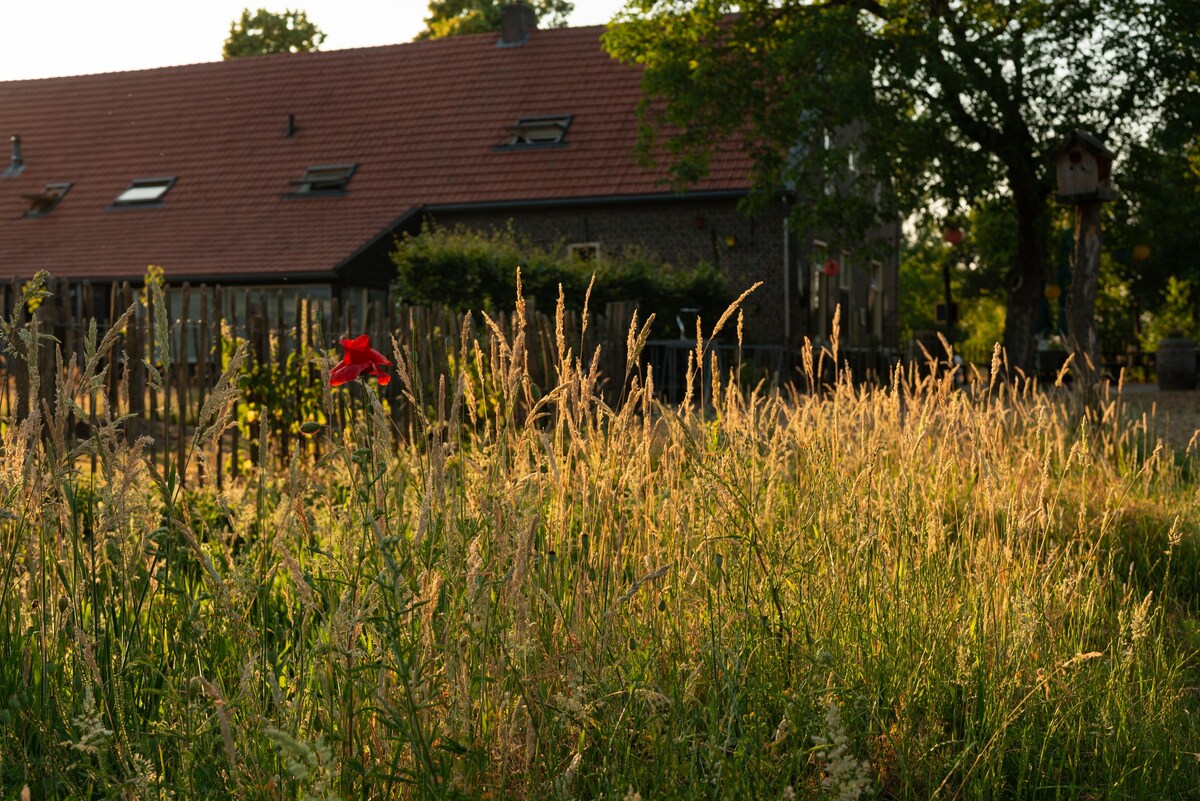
{"points": [[287, 333]]}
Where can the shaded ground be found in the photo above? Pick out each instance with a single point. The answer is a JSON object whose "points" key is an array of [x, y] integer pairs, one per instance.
{"points": [[1177, 413]]}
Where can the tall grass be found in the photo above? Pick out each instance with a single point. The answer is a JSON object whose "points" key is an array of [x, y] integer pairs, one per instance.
{"points": [[906, 590]]}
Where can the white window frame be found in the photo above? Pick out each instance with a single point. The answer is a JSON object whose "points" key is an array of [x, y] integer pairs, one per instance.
{"points": [[540, 131], [325, 179], [584, 251], [144, 192], [878, 302], [819, 302]]}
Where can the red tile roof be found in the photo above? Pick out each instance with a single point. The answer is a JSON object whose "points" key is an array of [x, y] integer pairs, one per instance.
{"points": [[421, 121]]}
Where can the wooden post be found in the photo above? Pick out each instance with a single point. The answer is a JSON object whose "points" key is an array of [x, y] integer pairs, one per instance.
{"points": [[200, 339], [180, 365], [18, 367], [52, 315], [1084, 170], [1085, 281]]}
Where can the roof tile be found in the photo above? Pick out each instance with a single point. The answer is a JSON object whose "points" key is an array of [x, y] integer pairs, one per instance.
{"points": [[422, 121]]}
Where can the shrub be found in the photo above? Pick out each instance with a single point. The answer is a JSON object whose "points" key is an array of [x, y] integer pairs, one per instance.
{"points": [[476, 270], [1175, 317]]}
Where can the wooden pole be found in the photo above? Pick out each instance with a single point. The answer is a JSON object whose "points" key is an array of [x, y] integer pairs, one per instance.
{"points": [[1085, 281]]}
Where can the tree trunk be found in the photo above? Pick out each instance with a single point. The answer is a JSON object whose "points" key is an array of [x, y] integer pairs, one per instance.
{"points": [[1027, 277], [1085, 280]]}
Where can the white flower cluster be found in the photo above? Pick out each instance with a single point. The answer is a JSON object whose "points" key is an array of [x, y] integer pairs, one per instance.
{"points": [[90, 726], [849, 779]]}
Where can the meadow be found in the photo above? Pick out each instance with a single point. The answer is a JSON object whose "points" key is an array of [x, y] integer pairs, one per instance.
{"points": [[903, 590]]}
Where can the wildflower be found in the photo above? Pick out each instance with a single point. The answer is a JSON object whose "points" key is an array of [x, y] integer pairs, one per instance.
{"points": [[566, 781], [844, 775], [359, 358], [90, 724]]}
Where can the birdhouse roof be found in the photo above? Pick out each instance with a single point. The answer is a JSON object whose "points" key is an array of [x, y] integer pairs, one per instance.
{"points": [[1087, 141]]}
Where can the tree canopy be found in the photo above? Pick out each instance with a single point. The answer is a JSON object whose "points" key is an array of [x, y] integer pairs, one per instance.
{"points": [[458, 17], [1155, 235], [949, 105], [264, 33]]}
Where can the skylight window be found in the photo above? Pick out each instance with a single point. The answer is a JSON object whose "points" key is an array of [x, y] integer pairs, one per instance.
{"points": [[41, 203], [324, 180], [534, 131], [144, 192]]}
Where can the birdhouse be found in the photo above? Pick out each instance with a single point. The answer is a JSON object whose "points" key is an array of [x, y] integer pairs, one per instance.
{"points": [[1084, 169]]}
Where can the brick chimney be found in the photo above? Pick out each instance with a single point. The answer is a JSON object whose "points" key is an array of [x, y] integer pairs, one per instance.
{"points": [[517, 21]]}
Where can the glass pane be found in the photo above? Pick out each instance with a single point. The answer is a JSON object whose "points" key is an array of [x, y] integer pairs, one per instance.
{"points": [[142, 194]]}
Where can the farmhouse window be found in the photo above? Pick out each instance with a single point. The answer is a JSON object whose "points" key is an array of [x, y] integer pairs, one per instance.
{"points": [[328, 179], [41, 203], [587, 252], [539, 131], [820, 254], [875, 299], [144, 192]]}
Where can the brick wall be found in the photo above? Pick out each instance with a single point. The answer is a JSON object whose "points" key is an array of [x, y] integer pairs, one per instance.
{"points": [[687, 232]]}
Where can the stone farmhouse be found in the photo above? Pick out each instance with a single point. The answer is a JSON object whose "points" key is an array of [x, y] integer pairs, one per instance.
{"points": [[300, 171]]}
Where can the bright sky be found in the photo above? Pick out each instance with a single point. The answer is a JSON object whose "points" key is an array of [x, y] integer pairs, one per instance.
{"points": [[47, 38]]}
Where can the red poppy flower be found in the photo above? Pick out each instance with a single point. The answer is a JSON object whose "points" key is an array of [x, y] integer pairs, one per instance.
{"points": [[359, 358]]}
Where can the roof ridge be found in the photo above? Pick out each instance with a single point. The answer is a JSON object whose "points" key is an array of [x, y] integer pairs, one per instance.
{"points": [[445, 41]]}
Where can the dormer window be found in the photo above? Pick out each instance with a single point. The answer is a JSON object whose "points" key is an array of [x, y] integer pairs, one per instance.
{"points": [[144, 192], [41, 203], [539, 131], [330, 179]]}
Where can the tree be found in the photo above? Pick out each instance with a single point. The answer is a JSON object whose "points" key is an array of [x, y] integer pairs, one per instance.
{"points": [[1154, 234], [966, 101], [264, 33], [458, 17]]}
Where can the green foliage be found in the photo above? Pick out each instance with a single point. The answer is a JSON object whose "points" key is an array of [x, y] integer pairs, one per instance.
{"points": [[1160, 213], [922, 286], [155, 276], [975, 596], [982, 324], [1175, 316], [949, 105], [265, 33], [281, 397], [473, 270], [34, 291], [459, 17], [1117, 308], [990, 246]]}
